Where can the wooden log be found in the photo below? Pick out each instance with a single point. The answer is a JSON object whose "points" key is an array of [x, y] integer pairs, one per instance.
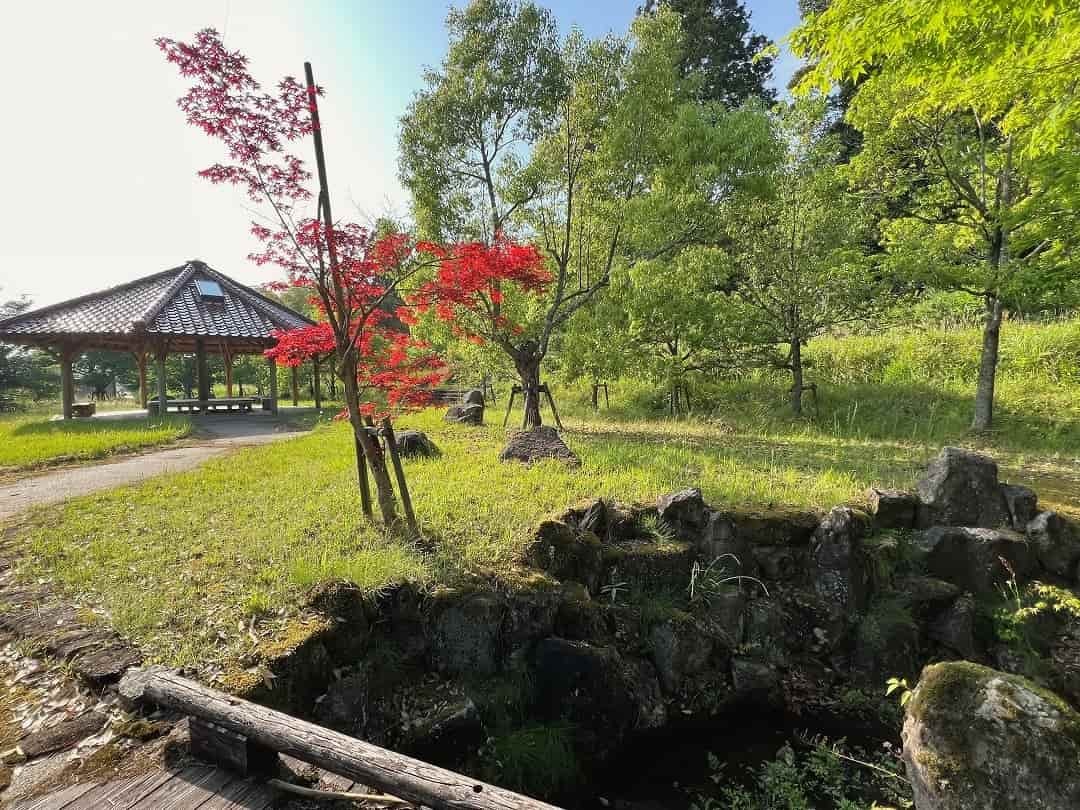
{"points": [[385, 770]]}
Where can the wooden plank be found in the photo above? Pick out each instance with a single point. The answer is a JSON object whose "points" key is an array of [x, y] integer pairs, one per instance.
{"points": [[179, 792], [122, 794], [243, 794], [57, 800], [197, 794], [384, 770]]}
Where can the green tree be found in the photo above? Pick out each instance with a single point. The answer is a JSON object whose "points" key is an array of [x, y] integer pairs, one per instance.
{"points": [[462, 137], [798, 264], [969, 113], [103, 371], [24, 370], [720, 50]]}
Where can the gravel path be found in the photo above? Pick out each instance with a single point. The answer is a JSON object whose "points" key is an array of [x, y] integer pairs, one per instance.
{"points": [[219, 435]]}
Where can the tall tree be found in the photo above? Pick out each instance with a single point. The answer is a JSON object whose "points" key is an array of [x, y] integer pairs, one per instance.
{"points": [[721, 50], [25, 370], [797, 262], [621, 141], [463, 135], [969, 113], [352, 273]]}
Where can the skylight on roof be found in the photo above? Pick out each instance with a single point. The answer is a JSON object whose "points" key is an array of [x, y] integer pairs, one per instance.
{"points": [[209, 290]]}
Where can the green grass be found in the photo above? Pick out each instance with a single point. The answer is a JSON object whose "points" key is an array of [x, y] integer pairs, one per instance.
{"points": [[180, 562], [27, 443]]}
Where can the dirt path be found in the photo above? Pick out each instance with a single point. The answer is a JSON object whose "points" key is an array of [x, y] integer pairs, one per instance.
{"points": [[216, 436]]}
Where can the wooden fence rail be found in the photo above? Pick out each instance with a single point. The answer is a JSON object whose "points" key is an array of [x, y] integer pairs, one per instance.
{"points": [[388, 771]]}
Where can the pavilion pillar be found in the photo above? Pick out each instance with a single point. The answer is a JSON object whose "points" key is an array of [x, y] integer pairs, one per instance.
{"points": [[162, 391], [203, 372], [140, 360], [273, 386], [316, 391], [228, 372], [67, 379], [295, 386]]}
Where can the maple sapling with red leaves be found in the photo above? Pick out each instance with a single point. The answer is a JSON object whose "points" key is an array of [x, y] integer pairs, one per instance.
{"points": [[353, 276]]}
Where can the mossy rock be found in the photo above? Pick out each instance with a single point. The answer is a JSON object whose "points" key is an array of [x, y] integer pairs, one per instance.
{"points": [[976, 737]]}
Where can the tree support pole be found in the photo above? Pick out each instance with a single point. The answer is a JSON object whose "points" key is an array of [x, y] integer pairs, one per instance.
{"points": [[399, 473]]}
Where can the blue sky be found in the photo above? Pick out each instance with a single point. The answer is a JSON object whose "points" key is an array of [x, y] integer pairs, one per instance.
{"points": [[100, 182]]}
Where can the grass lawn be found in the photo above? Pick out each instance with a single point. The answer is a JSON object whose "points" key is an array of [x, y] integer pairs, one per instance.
{"points": [[189, 564], [183, 562], [30, 442]]}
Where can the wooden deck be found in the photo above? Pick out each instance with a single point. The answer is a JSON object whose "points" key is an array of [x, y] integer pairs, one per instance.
{"points": [[195, 787]]}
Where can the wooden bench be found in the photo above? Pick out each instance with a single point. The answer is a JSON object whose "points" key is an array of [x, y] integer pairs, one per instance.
{"points": [[242, 404]]}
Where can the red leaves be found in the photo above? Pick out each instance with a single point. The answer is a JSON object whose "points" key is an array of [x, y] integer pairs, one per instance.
{"points": [[357, 292], [469, 287]]}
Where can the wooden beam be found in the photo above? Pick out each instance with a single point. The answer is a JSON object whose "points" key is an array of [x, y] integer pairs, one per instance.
{"points": [[316, 387], [390, 772], [295, 380]]}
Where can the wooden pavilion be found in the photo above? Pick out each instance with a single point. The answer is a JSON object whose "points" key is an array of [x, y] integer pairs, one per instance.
{"points": [[191, 309]]}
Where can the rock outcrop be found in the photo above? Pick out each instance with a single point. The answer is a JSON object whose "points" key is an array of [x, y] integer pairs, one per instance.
{"points": [[978, 738], [960, 488], [416, 444], [528, 446]]}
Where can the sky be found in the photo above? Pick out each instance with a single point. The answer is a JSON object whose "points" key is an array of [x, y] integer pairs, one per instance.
{"points": [[99, 180]]}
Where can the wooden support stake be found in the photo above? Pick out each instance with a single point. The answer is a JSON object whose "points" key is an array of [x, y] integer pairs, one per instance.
{"points": [[551, 402], [514, 391], [338, 753], [399, 473], [361, 471]]}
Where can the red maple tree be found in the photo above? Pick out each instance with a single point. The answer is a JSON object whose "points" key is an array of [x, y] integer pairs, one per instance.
{"points": [[357, 280]]}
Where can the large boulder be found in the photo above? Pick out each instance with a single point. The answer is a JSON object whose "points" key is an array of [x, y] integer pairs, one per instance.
{"points": [[538, 444], [960, 488], [954, 628], [976, 737], [973, 558], [470, 414], [596, 688], [416, 444], [1022, 503], [840, 570], [892, 508], [464, 631], [685, 513], [567, 553], [474, 396], [682, 647], [1055, 543]]}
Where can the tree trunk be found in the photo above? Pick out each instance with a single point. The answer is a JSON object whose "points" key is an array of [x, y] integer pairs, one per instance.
{"points": [[384, 489], [988, 361], [796, 376], [528, 368]]}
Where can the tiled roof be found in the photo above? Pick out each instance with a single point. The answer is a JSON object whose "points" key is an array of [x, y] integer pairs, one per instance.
{"points": [[166, 304]]}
